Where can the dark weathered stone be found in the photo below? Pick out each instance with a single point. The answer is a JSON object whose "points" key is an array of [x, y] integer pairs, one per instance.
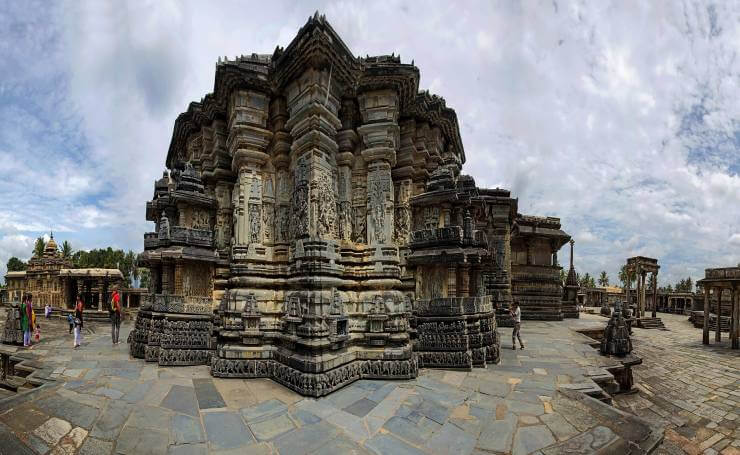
{"points": [[314, 220], [616, 339]]}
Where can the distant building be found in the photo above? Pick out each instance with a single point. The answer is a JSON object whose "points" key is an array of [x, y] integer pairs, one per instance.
{"points": [[52, 280]]}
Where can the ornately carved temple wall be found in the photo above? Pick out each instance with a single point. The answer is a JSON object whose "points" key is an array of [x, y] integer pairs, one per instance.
{"points": [[316, 198]]}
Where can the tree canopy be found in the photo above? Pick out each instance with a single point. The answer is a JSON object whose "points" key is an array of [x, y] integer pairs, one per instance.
{"points": [[603, 279], [623, 276], [586, 281], [16, 265], [684, 285], [108, 258], [38, 248], [66, 250]]}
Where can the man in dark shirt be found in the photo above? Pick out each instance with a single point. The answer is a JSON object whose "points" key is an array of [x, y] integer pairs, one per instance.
{"points": [[115, 318]]}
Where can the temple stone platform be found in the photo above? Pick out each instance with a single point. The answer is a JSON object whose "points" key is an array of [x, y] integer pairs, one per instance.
{"points": [[98, 399]]}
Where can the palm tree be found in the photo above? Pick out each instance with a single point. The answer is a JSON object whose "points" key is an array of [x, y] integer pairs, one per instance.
{"points": [[66, 250], [603, 279], [38, 248]]}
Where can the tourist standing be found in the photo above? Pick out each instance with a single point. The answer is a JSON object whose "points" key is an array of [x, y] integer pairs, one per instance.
{"points": [[78, 332], [115, 317], [71, 321], [47, 311], [516, 314], [79, 321], [26, 320]]}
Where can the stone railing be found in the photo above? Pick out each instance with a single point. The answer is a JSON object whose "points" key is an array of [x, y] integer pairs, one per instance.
{"points": [[450, 306], [181, 235], [446, 236], [167, 303]]}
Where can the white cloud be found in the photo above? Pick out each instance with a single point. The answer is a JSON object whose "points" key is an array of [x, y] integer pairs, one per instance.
{"points": [[621, 120]]}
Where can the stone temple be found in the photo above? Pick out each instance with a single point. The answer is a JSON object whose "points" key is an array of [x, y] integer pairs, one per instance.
{"points": [[314, 227]]}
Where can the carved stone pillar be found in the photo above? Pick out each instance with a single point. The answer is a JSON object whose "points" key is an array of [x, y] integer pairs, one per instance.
{"points": [[464, 271], [735, 318], [100, 300], [313, 125], [380, 134], [705, 328], [655, 294], [280, 153], [346, 140], [641, 296], [247, 141]]}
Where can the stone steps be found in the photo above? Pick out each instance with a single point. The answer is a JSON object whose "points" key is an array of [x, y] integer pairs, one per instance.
{"points": [[650, 323]]}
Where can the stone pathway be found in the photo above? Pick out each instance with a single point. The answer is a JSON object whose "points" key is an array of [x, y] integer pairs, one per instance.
{"points": [[691, 389], [102, 401]]}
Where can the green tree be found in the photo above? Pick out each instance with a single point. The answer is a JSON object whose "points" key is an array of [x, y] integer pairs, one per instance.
{"points": [[66, 250], [586, 281], [685, 285], [144, 278], [623, 277], [603, 279], [38, 248], [563, 276], [16, 265], [108, 258]]}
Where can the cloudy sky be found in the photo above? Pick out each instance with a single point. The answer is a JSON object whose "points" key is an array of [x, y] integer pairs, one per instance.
{"points": [[622, 118]]}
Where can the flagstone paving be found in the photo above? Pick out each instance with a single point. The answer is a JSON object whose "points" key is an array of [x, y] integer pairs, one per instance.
{"points": [[691, 389], [103, 401]]}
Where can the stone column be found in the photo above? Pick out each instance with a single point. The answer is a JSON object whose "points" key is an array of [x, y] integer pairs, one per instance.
{"points": [[464, 270], [280, 153], [247, 141], [705, 329], [346, 139], [128, 300], [643, 275], [655, 294], [100, 300], [381, 136], [718, 332], [735, 318], [313, 125]]}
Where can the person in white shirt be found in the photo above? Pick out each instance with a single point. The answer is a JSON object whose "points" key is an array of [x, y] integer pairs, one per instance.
{"points": [[516, 314]]}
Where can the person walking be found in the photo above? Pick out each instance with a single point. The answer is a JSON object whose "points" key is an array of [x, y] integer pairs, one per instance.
{"points": [[26, 320], [516, 314], [78, 332], [79, 322], [115, 316], [71, 321]]}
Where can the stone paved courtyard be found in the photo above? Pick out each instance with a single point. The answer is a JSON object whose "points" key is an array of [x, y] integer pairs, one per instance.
{"points": [[692, 390], [103, 401]]}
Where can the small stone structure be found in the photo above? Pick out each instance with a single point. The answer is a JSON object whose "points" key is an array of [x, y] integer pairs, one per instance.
{"points": [[173, 330], [570, 290], [12, 332], [718, 281], [639, 267], [616, 339], [456, 333]]}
